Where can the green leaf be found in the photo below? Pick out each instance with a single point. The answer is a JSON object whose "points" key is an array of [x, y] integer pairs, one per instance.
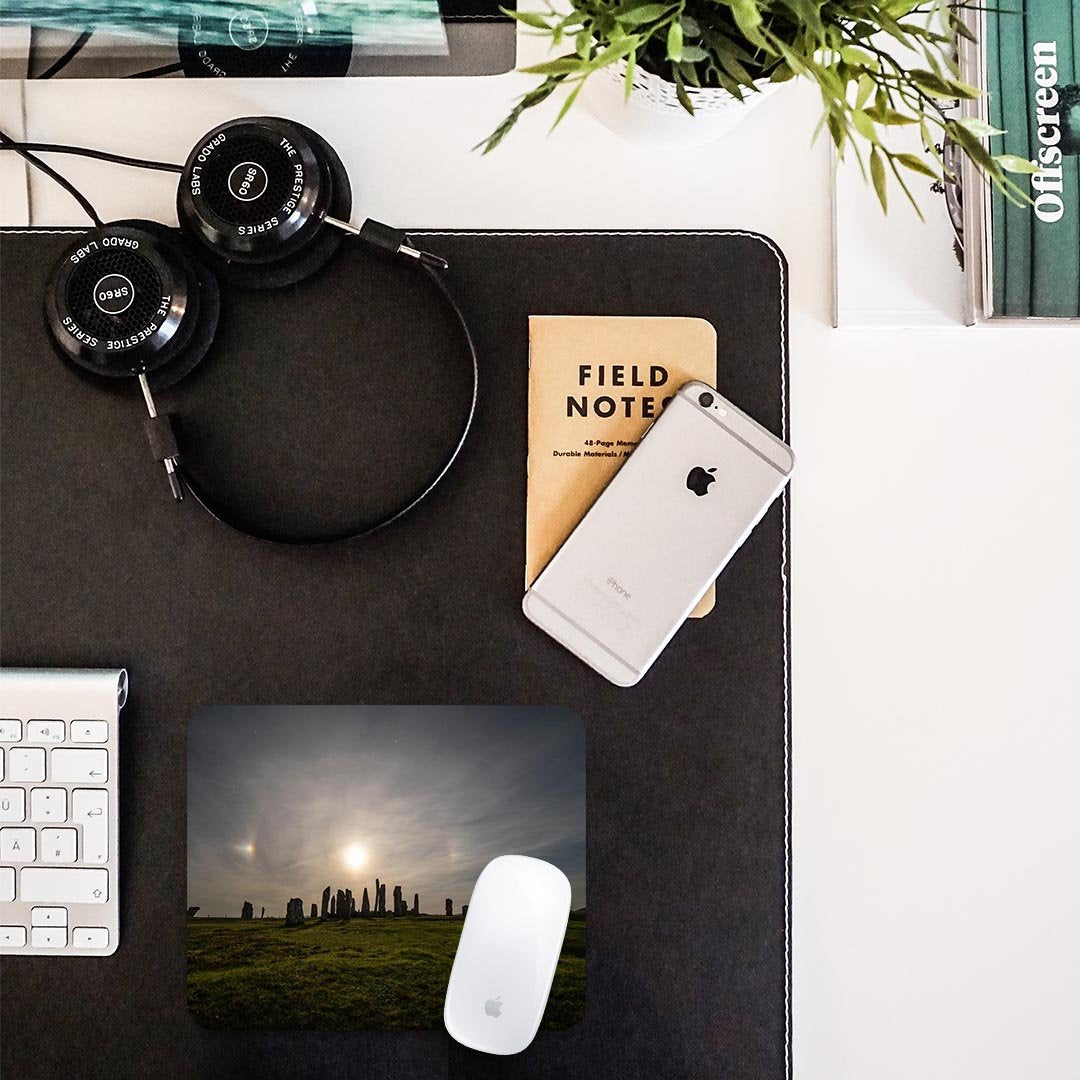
{"points": [[865, 89], [570, 99], [689, 72], [628, 78], [529, 18], [864, 125], [877, 174], [675, 42], [645, 13], [615, 52], [851, 55], [781, 73], [1016, 164], [693, 54], [980, 128], [916, 164], [683, 96], [565, 65], [747, 17]]}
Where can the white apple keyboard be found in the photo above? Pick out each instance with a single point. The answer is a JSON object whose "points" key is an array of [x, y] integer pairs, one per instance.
{"points": [[59, 743]]}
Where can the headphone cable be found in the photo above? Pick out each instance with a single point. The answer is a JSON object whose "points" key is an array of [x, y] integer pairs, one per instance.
{"points": [[153, 73], [83, 151], [62, 62], [7, 143]]}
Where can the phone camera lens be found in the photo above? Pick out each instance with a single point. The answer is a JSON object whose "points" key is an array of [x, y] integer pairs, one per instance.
{"points": [[705, 400]]}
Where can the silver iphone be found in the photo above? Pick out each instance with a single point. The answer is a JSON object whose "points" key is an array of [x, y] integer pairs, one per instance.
{"points": [[642, 557]]}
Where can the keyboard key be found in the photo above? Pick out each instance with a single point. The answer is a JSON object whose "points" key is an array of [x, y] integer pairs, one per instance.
{"points": [[48, 916], [12, 804], [90, 937], [45, 731], [7, 884], [80, 766], [58, 845], [10, 730], [26, 765], [48, 937], [12, 937], [63, 886], [17, 845], [90, 809], [1, 763], [48, 804], [89, 731]]}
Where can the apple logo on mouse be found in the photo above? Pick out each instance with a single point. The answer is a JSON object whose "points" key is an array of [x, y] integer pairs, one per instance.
{"points": [[699, 479], [493, 1006]]}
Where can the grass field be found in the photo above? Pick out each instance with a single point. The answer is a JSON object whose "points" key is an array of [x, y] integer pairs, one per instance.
{"points": [[382, 974]]}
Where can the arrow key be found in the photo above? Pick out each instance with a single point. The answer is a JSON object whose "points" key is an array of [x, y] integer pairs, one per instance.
{"points": [[80, 766]]}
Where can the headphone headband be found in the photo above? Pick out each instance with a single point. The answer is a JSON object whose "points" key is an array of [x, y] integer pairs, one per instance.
{"points": [[267, 202]]}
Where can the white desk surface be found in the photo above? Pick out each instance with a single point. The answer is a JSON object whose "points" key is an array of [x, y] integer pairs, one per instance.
{"points": [[936, 550]]}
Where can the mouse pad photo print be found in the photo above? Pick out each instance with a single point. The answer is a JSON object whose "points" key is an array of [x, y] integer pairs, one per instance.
{"points": [[332, 853]]}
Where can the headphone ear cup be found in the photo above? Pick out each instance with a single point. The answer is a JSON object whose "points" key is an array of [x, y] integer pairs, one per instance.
{"points": [[212, 211], [126, 299]]}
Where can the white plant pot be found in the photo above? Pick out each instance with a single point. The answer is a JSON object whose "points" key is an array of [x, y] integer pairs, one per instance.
{"points": [[653, 113]]}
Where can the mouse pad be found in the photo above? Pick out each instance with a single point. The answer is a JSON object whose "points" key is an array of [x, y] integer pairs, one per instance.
{"points": [[294, 813], [687, 954]]}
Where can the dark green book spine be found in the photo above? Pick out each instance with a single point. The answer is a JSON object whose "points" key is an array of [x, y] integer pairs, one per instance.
{"points": [[1033, 65], [1013, 268], [1055, 272]]}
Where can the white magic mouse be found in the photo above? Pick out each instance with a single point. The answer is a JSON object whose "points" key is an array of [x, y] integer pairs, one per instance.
{"points": [[507, 954]]}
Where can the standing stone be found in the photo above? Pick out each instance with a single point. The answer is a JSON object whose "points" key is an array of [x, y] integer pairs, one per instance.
{"points": [[314, 910], [348, 908], [247, 911], [333, 907], [365, 906], [325, 901], [449, 906], [341, 903], [464, 910], [416, 903], [191, 911], [262, 914], [294, 912], [382, 900], [378, 893], [397, 901]]}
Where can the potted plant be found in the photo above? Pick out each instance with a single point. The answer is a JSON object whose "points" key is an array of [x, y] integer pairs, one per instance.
{"points": [[717, 57]]}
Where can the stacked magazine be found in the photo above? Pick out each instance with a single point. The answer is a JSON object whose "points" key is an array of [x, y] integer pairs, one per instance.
{"points": [[1032, 66], [978, 253]]}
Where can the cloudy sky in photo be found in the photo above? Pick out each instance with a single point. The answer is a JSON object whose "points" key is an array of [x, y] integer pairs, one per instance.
{"points": [[283, 801]]}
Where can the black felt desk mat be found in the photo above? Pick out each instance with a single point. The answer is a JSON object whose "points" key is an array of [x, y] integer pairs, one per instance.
{"points": [[321, 401]]}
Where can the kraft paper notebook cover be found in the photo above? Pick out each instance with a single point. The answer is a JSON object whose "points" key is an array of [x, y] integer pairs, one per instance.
{"points": [[596, 383]]}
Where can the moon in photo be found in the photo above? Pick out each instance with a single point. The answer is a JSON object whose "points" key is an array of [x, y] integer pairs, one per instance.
{"points": [[355, 856]]}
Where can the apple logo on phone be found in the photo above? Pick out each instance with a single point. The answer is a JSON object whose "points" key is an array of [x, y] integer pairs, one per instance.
{"points": [[699, 479], [493, 1007]]}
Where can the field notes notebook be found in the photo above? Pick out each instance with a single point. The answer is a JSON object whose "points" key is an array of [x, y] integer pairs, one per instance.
{"points": [[595, 385]]}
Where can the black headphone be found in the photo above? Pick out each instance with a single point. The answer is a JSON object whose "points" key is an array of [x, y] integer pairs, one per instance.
{"points": [[262, 202]]}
